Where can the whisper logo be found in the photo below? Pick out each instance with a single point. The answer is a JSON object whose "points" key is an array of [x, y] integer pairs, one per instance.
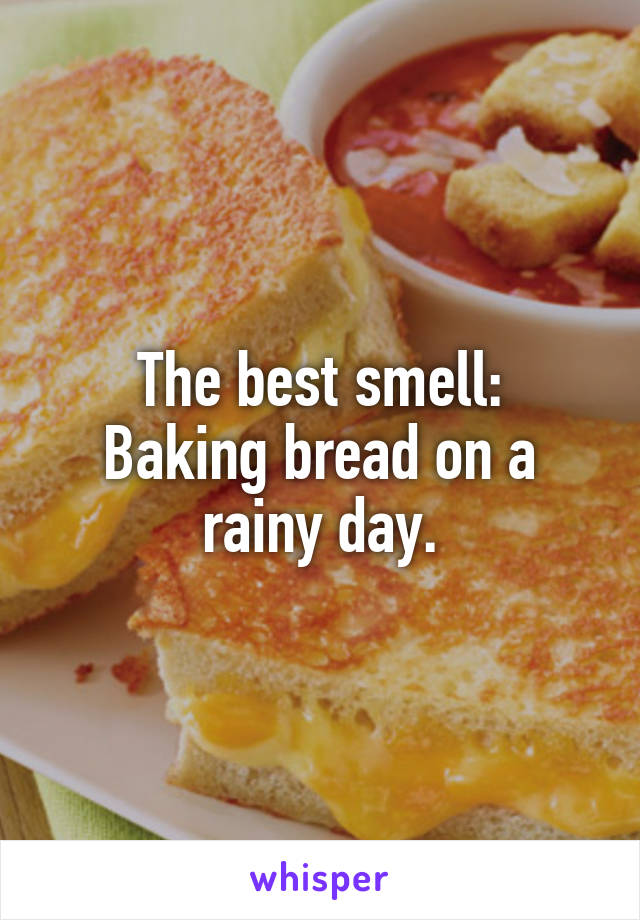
{"points": [[334, 882]]}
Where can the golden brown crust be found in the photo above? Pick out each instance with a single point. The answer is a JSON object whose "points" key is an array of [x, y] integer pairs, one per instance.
{"points": [[542, 92], [142, 201], [545, 574], [521, 226], [616, 90], [373, 341], [619, 246]]}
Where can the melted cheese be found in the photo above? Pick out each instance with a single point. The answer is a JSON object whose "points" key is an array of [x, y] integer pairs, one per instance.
{"points": [[61, 541], [57, 544], [404, 789]]}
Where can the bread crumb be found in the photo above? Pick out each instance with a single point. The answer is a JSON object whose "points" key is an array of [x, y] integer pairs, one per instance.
{"points": [[133, 670], [83, 671]]}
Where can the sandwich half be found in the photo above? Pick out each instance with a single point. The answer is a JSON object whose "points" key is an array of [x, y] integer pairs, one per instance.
{"points": [[489, 689], [148, 205]]}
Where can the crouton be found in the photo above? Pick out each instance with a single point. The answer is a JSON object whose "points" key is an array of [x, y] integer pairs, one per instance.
{"points": [[617, 90], [619, 248], [520, 225], [550, 93]]}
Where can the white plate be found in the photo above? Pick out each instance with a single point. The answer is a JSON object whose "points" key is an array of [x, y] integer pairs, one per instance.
{"points": [[95, 738]]}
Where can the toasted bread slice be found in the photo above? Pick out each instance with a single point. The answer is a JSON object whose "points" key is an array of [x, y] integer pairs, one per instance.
{"points": [[151, 204], [500, 671]]}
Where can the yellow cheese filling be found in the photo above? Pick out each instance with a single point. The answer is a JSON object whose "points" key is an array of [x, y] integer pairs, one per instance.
{"points": [[61, 541], [408, 787]]}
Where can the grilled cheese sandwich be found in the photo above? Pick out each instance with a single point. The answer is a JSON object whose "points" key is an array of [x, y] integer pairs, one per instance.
{"points": [[489, 689], [59, 542], [405, 788], [170, 213]]}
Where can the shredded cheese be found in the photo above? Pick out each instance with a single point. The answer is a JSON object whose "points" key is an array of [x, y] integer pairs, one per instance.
{"points": [[566, 89], [446, 145], [567, 258], [466, 114], [372, 166], [437, 152], [590, 284], [410, 163], [570, 57], [545, 171], [523, 292], [510, 52], [594, 113], [584, 153], [365, 166]]}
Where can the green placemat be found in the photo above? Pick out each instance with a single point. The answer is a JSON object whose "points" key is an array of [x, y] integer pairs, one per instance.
{"points": [[73, 818], [257, 40]]}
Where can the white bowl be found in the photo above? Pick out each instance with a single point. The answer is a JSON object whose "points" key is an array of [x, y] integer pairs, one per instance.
{"points": [[581, 359]]}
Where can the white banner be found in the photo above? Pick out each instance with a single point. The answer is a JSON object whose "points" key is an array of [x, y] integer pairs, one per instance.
{"points": [[448, 880]]}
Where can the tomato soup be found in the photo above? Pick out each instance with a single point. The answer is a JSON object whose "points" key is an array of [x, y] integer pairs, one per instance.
{"points": [[398, 140]]}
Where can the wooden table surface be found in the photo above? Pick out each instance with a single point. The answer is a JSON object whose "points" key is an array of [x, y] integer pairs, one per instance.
{"points": [[22, 815]]}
